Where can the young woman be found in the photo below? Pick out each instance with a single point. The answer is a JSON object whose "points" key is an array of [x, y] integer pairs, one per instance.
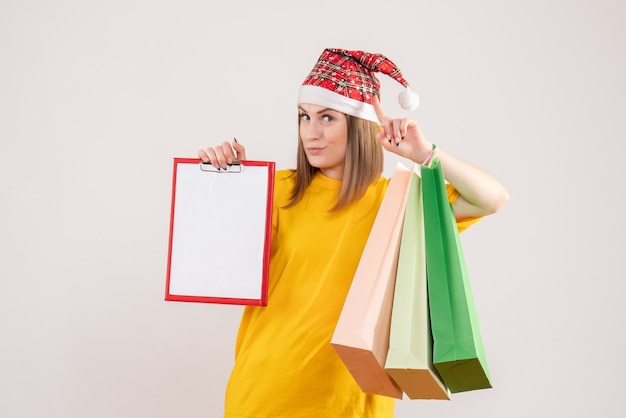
{"points": [[285, 365]]}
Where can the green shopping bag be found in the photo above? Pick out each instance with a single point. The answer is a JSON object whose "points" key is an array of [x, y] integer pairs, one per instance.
{"points": [[458, 352], [409, 358]]}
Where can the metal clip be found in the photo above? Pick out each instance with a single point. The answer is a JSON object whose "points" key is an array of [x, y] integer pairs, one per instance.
{"points": [[235, 167]]}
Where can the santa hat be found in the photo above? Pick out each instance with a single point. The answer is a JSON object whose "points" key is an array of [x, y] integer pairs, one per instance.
{"points": [[344, 81]]}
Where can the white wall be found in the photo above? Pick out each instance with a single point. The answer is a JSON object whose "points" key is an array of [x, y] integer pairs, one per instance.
{"points": [[96, 98]]}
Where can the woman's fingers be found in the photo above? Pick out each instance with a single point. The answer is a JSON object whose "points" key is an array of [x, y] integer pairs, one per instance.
{"points": [[223, 154], [240, 150], [207, 155]]}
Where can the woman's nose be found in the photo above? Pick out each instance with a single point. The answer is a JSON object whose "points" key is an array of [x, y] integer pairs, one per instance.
{"points": [[311, 131]]}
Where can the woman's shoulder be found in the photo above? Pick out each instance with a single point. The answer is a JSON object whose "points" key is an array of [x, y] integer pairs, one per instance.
{"points": [[381, 184], [284, 174], [284, 178], [284, 181]]}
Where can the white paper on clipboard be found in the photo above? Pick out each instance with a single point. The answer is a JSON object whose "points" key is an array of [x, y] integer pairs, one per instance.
{"points": [[220, 229]]}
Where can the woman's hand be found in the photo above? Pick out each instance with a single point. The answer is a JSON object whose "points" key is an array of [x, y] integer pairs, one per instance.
{"points": [[402, 136], [480, 193], [223, 154]]}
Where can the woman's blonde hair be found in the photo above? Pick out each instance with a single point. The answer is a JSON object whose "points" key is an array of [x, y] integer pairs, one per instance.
{"points": [[363, 164]]}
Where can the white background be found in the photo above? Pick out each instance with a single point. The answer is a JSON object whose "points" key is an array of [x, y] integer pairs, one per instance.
{"points": [[96, 98]]}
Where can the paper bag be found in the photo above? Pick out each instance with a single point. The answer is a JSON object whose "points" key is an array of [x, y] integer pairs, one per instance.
{"points": [[361, 338], [409, 360], [458, 352]]}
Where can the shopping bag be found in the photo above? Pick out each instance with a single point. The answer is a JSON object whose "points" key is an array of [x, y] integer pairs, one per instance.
{"points": [[409, 359], [361, 337], [458, 351]]}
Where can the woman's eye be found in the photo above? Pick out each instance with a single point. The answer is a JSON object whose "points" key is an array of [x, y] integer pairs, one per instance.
{"points": [[304, 116], [327, 118]]}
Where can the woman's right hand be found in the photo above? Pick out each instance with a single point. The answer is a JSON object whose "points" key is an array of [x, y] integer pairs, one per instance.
{"points": [[223, 154]]}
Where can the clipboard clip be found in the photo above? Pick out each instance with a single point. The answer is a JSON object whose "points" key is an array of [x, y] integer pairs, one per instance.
{"points": [[235, 167]]}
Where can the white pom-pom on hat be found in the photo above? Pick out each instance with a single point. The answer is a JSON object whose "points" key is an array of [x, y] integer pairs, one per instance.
{"points": [[408, 99]]}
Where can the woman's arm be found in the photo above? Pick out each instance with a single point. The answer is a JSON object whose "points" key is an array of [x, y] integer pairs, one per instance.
{"points": [[480, 193]]}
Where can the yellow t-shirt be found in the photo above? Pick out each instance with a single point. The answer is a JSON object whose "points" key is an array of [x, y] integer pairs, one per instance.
{"points": [[285, 365]]}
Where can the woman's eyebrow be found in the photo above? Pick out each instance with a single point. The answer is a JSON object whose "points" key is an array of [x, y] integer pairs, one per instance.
{"points": [[324, 110]]}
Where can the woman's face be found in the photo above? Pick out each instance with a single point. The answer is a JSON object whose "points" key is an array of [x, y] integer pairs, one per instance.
{"points": [[324, 134]]}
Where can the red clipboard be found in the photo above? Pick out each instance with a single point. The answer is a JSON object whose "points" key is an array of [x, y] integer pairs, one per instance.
{"points": [[220, 232]]}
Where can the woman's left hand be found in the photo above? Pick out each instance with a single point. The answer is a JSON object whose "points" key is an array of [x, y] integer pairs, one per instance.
{"points": [[481, 194], [402, 136]]}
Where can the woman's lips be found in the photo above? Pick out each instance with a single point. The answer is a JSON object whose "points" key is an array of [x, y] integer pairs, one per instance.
{"points": [[315, 150]]}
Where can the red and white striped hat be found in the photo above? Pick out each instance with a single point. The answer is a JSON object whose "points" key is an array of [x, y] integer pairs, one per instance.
{"points": [[344, 81]]}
